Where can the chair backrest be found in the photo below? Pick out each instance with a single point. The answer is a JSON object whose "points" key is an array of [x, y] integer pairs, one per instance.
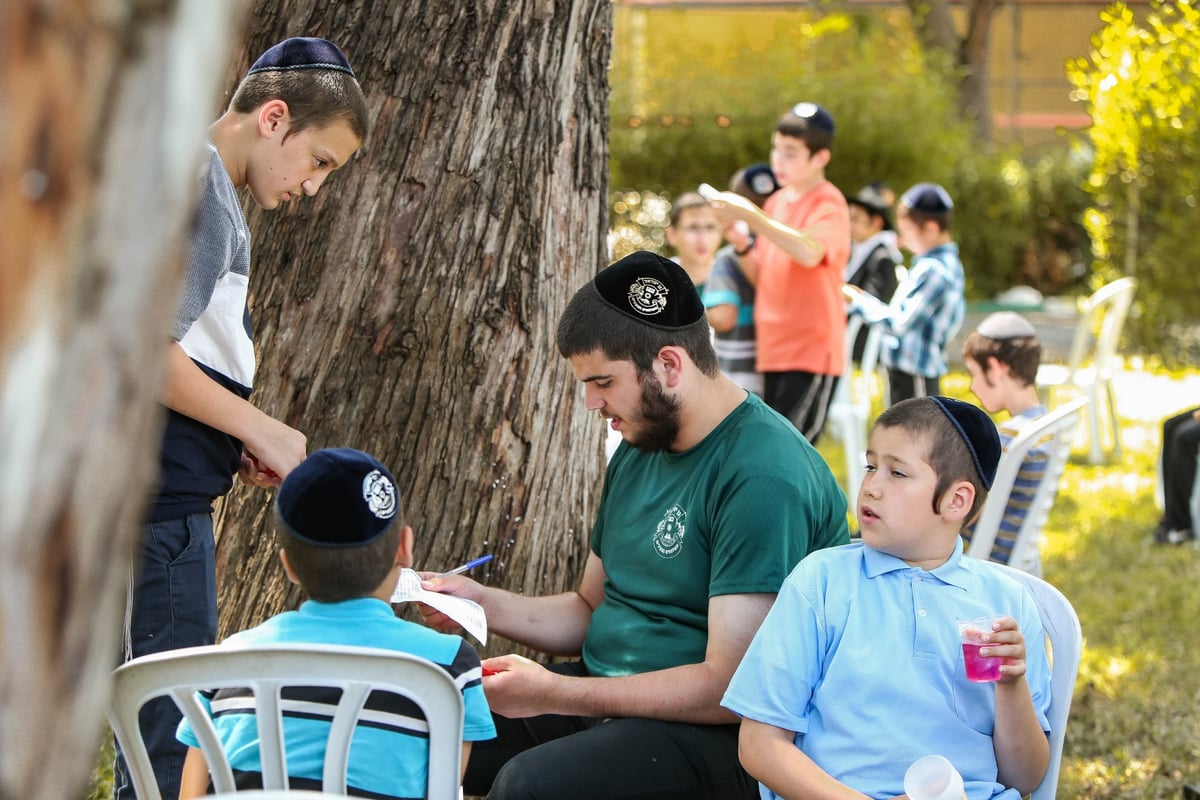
{"points": [[850, 408], [1098, 331], [266, 670], [1053, 433], [1066, 649]]}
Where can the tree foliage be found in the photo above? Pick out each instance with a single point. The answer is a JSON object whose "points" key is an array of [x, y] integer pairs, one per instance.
{"points": [[1139, 85]]}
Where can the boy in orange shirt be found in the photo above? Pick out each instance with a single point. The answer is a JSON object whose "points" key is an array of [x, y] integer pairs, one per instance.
{"points": [[802, 244]]}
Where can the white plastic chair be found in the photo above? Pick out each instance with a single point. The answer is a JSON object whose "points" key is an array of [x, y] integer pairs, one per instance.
{"points": [[266, 670], [1054, 432], [850, 409], [1093, 358], [1066, 649]]}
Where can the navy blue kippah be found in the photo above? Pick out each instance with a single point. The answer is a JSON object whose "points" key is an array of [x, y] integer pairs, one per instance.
{"points": [[979, 433], [761, 179], [928, 198], [813, 114], [302, 52], [652, 290], [338, 498]]}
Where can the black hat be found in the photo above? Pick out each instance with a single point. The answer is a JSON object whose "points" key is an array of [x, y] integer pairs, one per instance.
{"points": [[874, 202], [338, 498], [302, 52], [1006, 325], [979, 433], [814, 115], [928, 198], [651, 289]]}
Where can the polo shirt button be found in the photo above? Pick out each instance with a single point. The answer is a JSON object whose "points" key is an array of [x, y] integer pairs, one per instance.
{"points": [[921, 612]]}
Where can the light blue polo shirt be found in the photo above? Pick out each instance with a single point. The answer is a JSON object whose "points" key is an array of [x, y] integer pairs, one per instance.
{"points": [[389, 755], [860, 656]]}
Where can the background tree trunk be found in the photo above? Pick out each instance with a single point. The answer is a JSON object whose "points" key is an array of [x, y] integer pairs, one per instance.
{"points": [[99, 148], [935, 29], [410, 308]]}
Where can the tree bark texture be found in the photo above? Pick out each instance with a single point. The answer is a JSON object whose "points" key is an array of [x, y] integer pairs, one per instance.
{"points": [[935, 29], [410, 308], [103, 122]]}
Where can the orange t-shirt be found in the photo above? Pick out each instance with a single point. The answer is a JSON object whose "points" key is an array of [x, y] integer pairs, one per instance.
{"points": [[799, 313]]}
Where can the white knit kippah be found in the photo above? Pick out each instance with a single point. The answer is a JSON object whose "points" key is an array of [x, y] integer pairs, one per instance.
{"points": [[1006, 325]]}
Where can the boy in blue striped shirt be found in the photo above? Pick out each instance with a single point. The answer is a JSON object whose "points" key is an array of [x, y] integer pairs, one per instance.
{"points": [[344, 542]]}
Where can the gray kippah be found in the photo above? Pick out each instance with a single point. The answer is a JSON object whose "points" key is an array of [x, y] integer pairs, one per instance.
{"points": [[1006, 325]]}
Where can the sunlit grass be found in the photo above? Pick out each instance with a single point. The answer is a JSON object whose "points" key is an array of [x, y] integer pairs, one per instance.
{"points": [[1134, 732]]}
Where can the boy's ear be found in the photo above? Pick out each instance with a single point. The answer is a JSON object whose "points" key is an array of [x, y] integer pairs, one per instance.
{"points": [[404, 553], [821, 157], [274, 118], [287, 567], [957, 502]]}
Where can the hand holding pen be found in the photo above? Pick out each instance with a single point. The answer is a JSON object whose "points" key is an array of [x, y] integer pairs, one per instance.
{"points": [[469, 565]]}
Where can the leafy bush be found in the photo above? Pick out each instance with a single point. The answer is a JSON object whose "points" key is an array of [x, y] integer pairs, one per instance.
{"points": [[1139, 85]]}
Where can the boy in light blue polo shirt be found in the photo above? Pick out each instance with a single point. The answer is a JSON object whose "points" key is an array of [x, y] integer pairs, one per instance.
{"points": [[857, 670], [345, 543]]}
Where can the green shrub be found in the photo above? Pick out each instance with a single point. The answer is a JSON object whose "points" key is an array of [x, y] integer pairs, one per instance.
{"points": [[1139, 86]]}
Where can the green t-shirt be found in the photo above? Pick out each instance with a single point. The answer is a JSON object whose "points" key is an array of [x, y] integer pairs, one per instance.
{"points": [[732, 515]]}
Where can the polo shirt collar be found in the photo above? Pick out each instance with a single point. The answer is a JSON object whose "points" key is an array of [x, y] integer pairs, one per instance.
{"points": [[956, 571]]}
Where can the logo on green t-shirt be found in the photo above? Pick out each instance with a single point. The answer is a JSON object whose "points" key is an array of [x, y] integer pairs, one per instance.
{"points": [[668, 536]]}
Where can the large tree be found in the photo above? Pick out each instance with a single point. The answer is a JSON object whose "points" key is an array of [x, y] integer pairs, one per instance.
{"points": [[409, 309], [104, 118], [967, 53]]}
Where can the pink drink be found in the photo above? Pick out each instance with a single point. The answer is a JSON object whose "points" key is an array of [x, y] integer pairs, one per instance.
{"points": [[979, 668]]}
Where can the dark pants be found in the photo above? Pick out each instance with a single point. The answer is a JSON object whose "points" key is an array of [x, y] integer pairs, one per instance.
{"points": [[903, 386], [802, 397], [174, 605], [554, 757], [1180, 443]]}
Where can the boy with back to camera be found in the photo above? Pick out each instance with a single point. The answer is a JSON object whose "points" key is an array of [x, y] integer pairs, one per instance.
{"points": [[729, 295], [344, 542], [928, 307], [802, 243], [858, 671], [1002, 355], [298, 115]]}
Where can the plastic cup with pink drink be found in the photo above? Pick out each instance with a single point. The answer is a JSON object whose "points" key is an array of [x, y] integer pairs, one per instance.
{"points": [[972, 632]]}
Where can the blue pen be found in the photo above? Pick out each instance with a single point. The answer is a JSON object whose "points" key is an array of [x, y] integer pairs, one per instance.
{"points": [[467, 566]]}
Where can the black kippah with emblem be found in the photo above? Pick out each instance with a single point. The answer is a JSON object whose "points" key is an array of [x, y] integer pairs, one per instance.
{"points": [[302, 52], [652, 290], [338, 498]]}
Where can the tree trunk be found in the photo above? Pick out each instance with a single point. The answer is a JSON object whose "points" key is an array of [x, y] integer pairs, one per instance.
{"points": [[410, 308], [968, 54], [103, 125]]}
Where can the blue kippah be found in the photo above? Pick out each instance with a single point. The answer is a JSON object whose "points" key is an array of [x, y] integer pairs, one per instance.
{"points": [[302, 52], [928, 198], [338, 498], [978, 432], [814, 115], [652, 290]]}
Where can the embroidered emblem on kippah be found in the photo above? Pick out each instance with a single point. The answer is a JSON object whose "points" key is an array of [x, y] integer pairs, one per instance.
{"points": [[379, 494], [648, 296]]}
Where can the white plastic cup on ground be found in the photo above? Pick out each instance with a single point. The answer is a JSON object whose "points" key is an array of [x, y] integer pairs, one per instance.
{"points": [[933, 778]]}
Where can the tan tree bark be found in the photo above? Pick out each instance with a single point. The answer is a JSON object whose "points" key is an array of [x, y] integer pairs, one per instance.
{"points": [[105, 105], [410, 308]]}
